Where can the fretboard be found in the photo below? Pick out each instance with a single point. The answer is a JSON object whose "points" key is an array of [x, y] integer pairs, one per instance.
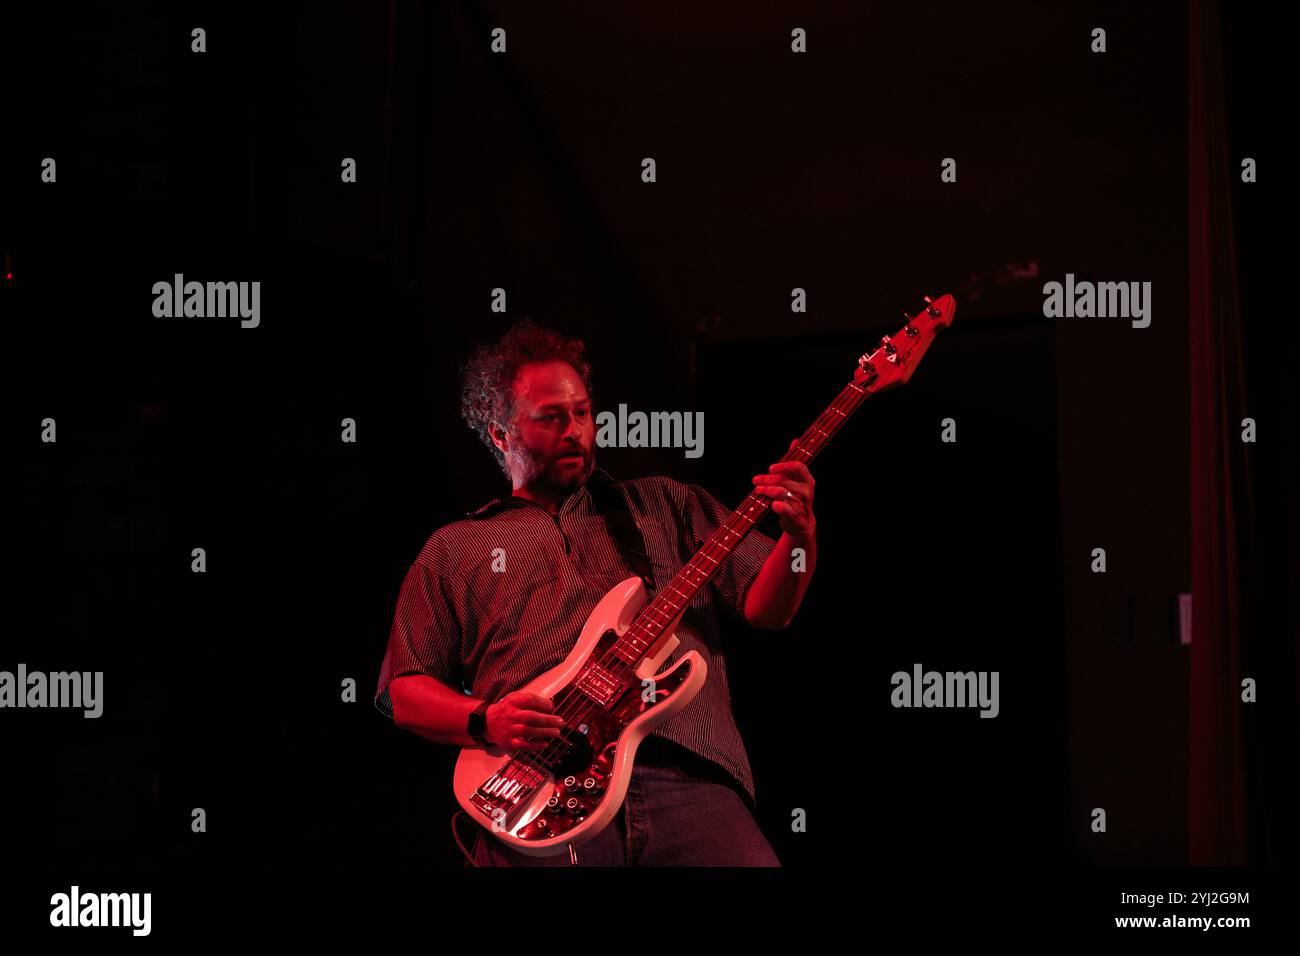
{"points": [[667, 605]]}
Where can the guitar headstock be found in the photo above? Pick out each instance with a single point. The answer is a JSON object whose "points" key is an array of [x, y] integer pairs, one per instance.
{"points": [[897, 356]]}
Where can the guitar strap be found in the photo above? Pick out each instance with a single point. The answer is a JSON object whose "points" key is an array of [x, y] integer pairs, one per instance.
{"points": [[615, 507]]}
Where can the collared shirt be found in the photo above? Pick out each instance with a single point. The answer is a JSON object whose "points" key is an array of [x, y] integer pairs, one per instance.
{"points": [[500, 597]]}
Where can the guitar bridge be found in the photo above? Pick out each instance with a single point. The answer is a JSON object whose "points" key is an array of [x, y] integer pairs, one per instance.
{"points": [[504, 794]]}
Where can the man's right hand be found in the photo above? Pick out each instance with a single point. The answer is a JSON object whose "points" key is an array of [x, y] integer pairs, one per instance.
{"points": [[521, 721]]}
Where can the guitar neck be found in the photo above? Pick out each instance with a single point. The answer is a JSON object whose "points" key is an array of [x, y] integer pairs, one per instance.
{"points": [[888, 366], [657, 616]]}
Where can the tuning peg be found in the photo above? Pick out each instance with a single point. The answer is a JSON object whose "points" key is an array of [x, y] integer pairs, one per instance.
{"points": [[912, 331], [931, 309]]}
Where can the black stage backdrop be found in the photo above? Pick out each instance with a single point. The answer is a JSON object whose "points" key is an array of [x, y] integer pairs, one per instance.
{"points": [[522, 171]]}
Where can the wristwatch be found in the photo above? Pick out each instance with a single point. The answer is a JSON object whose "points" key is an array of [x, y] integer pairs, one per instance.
{"points": [[477, 725]]}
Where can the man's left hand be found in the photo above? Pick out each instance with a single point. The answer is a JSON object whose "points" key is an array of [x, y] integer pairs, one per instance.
{"points": [[790, 485]]}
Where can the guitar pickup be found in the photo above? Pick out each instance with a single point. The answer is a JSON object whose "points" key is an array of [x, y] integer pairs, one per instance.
{"points": [[600, 685]]}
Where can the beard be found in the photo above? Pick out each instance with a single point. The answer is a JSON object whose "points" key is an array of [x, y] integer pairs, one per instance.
{"points": [[550, 474]]}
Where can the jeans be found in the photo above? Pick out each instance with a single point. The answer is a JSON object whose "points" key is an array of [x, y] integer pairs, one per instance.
{"points": [[678, 812]]}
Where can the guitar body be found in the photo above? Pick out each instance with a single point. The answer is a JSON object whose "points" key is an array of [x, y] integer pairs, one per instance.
{"points": [[540, 805]]}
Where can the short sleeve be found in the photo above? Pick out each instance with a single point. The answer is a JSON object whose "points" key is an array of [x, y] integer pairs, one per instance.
{"points": [[732, 581], [427, 626]]}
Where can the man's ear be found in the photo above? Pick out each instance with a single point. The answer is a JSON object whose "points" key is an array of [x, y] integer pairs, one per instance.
{"points": [[498, 434]]}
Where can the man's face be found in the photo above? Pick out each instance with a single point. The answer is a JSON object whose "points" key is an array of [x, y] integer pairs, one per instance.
{"points": [[551, 443]]}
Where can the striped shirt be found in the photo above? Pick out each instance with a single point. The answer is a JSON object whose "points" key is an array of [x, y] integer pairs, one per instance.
{"points": [[498, 598]]}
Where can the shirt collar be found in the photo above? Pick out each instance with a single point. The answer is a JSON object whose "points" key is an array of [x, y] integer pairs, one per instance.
{"points": [[514, 501]]}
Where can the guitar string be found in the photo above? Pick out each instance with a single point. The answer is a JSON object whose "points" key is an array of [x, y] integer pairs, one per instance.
{"points": [[575, 700], [576, 704], [853, 395], [568, 710]]}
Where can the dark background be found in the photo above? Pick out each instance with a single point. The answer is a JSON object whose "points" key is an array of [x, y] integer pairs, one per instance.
{"points": [[523, 171]]}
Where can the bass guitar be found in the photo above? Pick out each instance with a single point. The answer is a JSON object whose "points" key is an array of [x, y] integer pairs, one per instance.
{"points": [[610, 690]]}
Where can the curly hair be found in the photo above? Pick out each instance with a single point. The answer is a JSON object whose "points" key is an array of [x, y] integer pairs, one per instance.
{"points": [[486, 379]]}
